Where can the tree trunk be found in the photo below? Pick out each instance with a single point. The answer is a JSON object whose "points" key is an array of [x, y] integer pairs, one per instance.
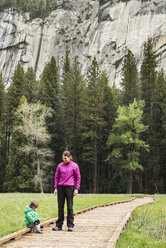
{"points": [[95, 168], [129, 182], [98, 182], [39, 175], [74, 133], [75, 123], [90, 179]]}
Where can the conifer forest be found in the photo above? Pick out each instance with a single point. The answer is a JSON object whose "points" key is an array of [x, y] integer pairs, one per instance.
{"points": [[116, 135]]}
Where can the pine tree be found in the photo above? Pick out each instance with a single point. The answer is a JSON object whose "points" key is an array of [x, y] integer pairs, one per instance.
{"points": [[148, 85], [130, 82], [2, 132], [66, 94], [15, 92], [93, 123], [160, 172], [125, 138], [31, 86], [66, 66], [73, 101], [108, 113], [49, 95], [148, 79], [2, 104]]}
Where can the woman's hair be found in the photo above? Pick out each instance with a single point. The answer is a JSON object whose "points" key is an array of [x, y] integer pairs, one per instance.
{"points": [[33, 204], [67, 154]]}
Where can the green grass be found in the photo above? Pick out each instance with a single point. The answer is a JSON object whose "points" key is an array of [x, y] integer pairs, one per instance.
{"points": [[12, 207], [147, 227]]}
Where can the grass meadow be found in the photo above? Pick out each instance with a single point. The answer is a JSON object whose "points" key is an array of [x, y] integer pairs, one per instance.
{"points": [[147, 226], [12, 207]]}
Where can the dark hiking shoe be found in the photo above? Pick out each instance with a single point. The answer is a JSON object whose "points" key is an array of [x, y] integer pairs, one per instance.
{"points": [[70, 228], [56, 228]]}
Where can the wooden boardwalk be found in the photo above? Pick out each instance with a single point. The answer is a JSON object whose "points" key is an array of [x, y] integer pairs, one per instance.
{"points": [[98, 228]]}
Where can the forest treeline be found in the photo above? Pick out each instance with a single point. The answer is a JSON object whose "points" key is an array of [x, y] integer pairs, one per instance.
{"points": [[117, 136], [40, 8], [36, 8]]}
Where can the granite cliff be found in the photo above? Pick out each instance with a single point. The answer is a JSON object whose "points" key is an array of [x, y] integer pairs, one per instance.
{"points": [[88, 29]]}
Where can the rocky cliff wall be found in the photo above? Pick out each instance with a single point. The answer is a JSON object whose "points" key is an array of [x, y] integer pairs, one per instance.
{"points": [[89, 30]]}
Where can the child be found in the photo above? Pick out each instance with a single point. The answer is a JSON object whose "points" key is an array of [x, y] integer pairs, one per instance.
{"points": [[31, 217]]}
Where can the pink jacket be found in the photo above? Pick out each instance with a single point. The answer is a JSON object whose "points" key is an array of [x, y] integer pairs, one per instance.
{"points": [[67, 175]]}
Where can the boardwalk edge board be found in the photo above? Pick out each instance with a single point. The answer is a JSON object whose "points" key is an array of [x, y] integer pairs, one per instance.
{"points": [[119, 230], [19, 234]]}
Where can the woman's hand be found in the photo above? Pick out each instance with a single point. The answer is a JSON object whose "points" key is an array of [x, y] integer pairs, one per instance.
{"points": [[75, 192], [55, 191]]}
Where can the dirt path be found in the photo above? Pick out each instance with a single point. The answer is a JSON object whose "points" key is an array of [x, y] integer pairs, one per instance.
{"points": [[98, 228]]}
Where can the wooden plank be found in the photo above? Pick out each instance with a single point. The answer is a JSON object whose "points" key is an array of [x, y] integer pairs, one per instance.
{"points": [[113, 240], [48, 222], [118, 231], [19, 234], [92, 229], [14, 236]]}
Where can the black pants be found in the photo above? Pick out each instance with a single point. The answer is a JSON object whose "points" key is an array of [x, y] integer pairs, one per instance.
{"points": [[65, 192], [36, 222]]}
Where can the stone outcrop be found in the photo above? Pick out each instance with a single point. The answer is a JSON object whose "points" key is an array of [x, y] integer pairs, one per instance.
{"points": [[88, 30]]}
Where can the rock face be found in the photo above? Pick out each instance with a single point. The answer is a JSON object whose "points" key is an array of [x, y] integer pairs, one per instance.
{"points": [[89, 30]]}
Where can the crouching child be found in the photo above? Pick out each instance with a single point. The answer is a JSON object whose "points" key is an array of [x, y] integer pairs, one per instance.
{"points": [[31, 217]]}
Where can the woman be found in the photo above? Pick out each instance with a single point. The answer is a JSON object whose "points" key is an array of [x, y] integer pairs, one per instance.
{"points": [[67, 183]]}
